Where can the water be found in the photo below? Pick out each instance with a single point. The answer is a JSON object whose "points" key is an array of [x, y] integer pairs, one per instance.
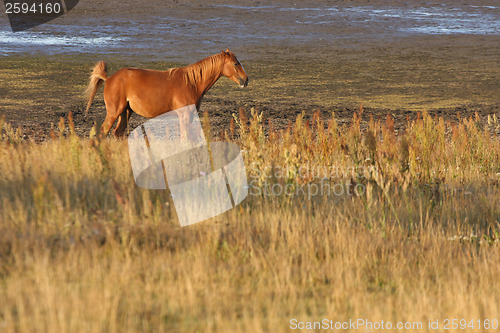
{"points": [[437, 19], [212, 27]]}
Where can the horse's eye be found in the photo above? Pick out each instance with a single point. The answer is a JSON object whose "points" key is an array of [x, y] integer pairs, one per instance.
{"points": [[236, 63]]}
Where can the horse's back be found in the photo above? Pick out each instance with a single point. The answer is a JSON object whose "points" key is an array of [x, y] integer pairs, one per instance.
{"points": [[138, 76], [131, 81]]}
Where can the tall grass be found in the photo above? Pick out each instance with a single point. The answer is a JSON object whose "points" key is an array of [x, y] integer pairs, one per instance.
{"points": [[414, 235]]}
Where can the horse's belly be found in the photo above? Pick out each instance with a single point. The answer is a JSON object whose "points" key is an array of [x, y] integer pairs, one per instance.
{"points": [[150, 107], [154, 104]]}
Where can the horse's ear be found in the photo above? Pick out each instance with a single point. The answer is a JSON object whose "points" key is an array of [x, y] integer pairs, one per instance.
{"points": [[222, 51], [227, 51]]}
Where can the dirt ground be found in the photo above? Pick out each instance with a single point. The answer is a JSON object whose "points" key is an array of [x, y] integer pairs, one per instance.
{"points": [[447, 75]]}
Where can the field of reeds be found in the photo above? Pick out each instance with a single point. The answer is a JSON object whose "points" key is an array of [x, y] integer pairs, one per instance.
{"points": [[342, 222]]}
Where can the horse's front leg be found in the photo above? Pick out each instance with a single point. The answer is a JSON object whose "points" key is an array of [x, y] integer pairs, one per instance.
{"points": [[187, 131], [184, 124]]}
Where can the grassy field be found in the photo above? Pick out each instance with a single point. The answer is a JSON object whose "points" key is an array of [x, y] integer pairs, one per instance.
{"points": [[413, 236]]}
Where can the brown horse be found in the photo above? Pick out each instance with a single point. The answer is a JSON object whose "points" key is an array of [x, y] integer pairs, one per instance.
{"points": [[151, 93]]}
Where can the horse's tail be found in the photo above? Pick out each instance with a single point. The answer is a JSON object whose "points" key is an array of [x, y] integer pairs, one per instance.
{"points": [[99, 75]]}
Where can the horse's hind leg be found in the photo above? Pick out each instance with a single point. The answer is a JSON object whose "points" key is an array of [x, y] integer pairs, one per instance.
{"points": [[113, 111], [107, 124], [122, 122]]}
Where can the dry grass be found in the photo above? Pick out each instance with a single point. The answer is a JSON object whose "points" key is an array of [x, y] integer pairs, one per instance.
{"points": [[82, 249]]}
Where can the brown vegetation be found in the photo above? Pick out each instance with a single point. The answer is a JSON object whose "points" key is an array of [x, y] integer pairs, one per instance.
{"points": [[83, 249]]}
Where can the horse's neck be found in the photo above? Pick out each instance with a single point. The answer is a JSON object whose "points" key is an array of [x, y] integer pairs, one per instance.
{"points": [[208, 83], [209, 75]]}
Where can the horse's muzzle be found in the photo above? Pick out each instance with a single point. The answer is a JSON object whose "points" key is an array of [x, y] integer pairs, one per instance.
{"points": [[243, 83]]}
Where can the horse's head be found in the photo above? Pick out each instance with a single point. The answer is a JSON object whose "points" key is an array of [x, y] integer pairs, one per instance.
{"points": [[233, 69]]}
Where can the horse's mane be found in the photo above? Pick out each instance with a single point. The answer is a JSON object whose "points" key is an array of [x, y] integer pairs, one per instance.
{"points": [[193, 73]]}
